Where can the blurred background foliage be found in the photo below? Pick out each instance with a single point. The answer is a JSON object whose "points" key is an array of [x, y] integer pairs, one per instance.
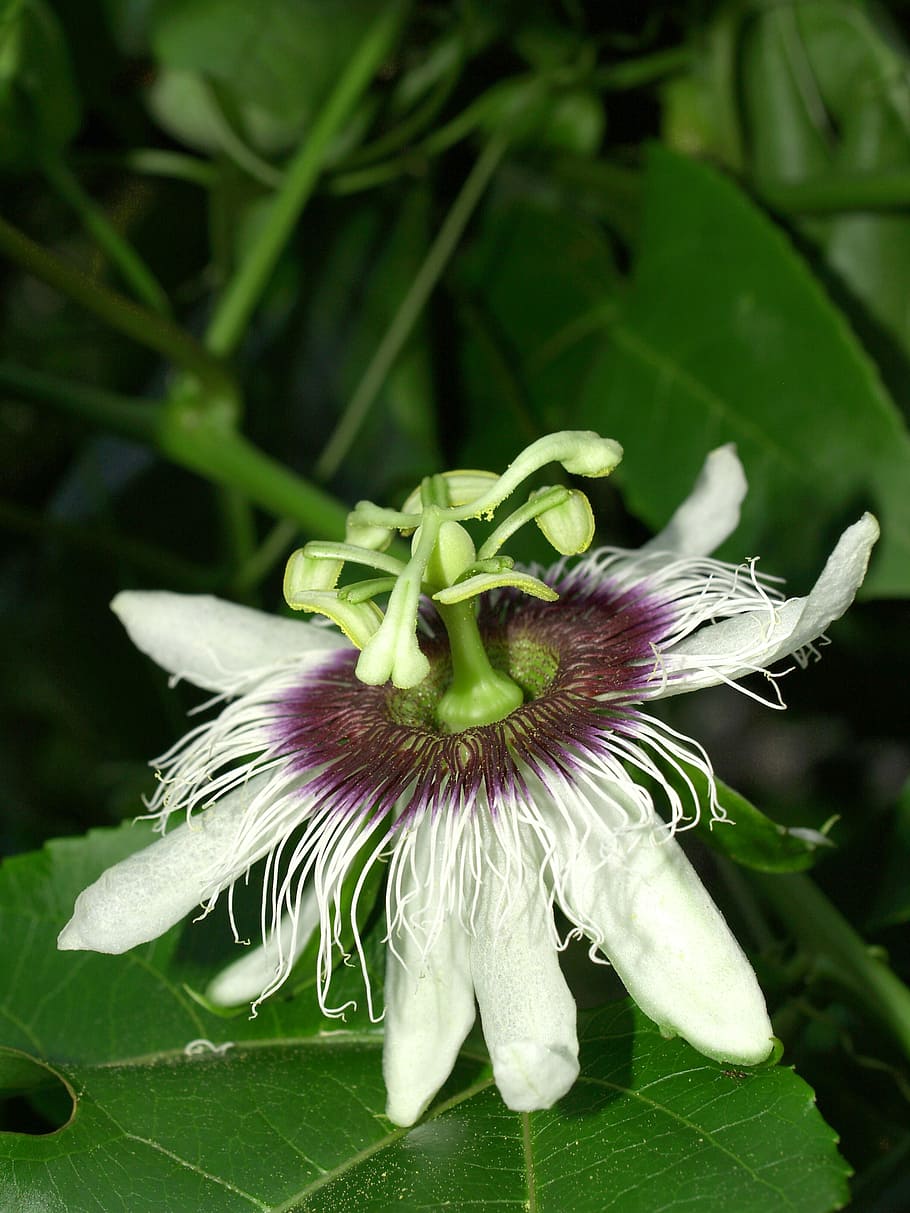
{"points": [[457, 226]]}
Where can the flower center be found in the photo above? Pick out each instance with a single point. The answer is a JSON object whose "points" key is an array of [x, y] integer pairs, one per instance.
{"points": [[583, 668], [446, 567], [528, 664]]}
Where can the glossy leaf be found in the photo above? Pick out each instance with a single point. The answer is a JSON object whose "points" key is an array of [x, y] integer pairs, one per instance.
{"points": [[276, 60], [891, 905], [179, 1108], [750, 838], [726, 336], [40, 110], [532, 327], [826, 91]]}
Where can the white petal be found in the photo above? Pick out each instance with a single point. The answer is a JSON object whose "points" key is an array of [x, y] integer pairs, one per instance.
{"points": [[429, 999], [215, 644], [633, 890], [144, 895], [757, 639], [245, 979], [527, 1012], [710, 513]]}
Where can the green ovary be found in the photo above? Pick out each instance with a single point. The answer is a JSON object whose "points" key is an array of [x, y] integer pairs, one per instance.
{"points": [[516, 671]]}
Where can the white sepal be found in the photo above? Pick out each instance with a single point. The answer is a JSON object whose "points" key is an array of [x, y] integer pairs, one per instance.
{"points": [[632, 890], [245, 978], [527, 1012], [754, 640], [144, 895], [216, 644], [711, 511], [429, 1000]]}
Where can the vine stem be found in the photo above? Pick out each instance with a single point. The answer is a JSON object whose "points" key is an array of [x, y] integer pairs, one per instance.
{"points": [[148, 328], [232, 313], [838, 192], [132, 269], [410, 309], [202, 440], [827, 937], [124, 415]]}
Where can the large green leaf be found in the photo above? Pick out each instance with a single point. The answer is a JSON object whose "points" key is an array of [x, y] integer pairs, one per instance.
{"points": [[40, 109], [283, 1113], [725, 336], [826, 91], [276, 60], [532, 325]]}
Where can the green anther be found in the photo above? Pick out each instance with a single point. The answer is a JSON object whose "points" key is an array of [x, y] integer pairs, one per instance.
{"points": [[496, 564], [568, 525], [446, 567], [304, 573]]}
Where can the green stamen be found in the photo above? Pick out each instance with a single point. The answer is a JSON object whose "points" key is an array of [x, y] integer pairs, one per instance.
{"points": [[446, 567]]}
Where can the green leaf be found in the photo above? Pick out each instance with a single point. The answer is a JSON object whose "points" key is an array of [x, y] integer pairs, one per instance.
{"points": [[277, 59], [828, 92], [533, 325], [725, 335], [40, 110], [892, 899], [752, 839], [286, 1112]]}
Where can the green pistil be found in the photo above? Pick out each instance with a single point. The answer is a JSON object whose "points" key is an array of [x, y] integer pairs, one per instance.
{"points": [[478, 694]]}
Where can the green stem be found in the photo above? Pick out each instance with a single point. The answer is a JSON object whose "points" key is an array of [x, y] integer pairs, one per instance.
{"points": [[415, 160], [826, 936], [410, 309], [226, 457], [355, 181], [414, 123], [838, 192], [636, 73], [260, 563], [147, 328], [131, 418], [154, 162], [132, 269], [202, 441], [237, 526], [154, 561], [236, 306]]}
